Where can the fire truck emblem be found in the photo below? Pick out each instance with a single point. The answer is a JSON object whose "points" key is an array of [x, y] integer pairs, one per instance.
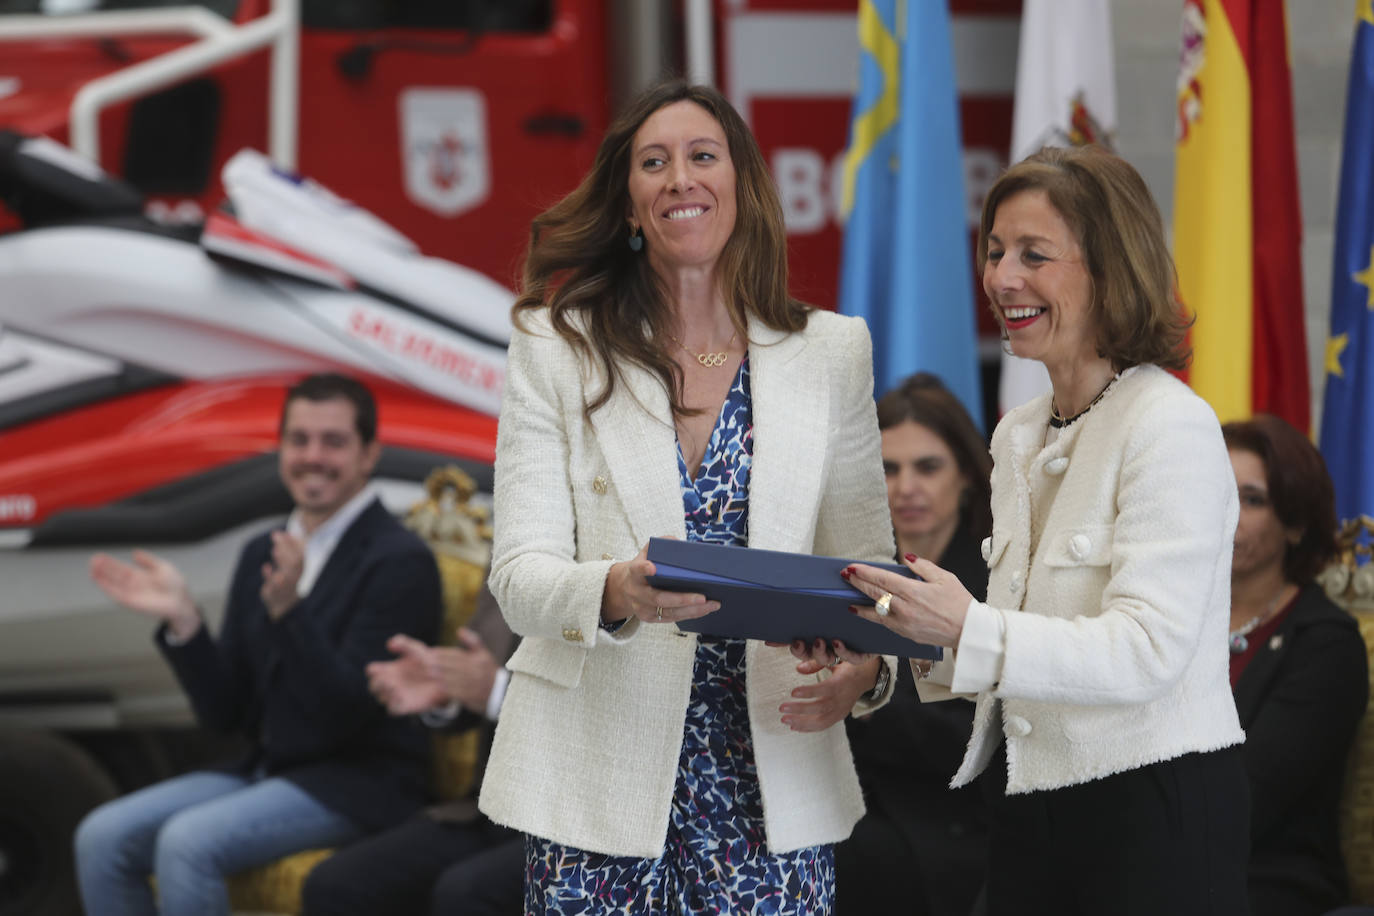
{"points": [[444, 149], [1192, 55]]}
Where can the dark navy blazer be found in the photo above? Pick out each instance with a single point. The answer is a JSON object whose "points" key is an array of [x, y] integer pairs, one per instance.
{"points": [[296, 687]]}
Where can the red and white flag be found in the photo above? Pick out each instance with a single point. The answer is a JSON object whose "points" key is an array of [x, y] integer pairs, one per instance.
{"points": [[1065, 96]]}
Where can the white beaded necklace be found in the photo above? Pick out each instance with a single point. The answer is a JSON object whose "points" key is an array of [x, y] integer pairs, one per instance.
{"points": [[1237, 639]]}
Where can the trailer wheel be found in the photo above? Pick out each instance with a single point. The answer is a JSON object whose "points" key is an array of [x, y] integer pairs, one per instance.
{"points": [[47, 784]]}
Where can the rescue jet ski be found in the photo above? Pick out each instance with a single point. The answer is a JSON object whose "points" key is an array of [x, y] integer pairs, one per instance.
{"points": [[142, 371]]}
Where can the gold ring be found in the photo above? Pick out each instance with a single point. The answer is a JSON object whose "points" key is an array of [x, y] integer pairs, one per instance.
{"points": [[660, 614], [884, 604]]}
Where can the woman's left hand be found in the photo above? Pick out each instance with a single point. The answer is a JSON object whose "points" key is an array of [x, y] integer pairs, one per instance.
{"points": [[829, 700], [930, 611]]}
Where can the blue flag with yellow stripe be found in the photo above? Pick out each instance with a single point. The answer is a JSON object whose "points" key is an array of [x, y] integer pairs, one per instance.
{"points": [[907, 269], [1347, 439]]}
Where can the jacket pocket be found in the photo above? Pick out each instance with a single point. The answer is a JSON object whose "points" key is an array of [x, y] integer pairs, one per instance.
{"points": [[557, 662], [1088, 545]]}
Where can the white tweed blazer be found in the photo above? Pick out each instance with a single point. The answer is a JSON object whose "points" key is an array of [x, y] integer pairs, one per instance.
{"points": [[587, 747], [1110, 567]]}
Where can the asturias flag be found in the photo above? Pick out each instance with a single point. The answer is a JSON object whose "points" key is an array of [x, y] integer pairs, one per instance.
{"points": [[907, 268], [1237, 223], [1065, 96], [1348, 413]]}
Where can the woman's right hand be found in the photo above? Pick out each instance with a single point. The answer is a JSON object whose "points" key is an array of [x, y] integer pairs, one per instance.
{"points": [[629, 594], [929, 609]]}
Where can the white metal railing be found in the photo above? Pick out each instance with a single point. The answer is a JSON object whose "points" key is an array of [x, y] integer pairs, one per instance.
{"points": [[218, 40]]}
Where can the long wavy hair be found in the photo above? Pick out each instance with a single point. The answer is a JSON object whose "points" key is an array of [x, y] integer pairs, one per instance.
{"points": [[605, 299]]}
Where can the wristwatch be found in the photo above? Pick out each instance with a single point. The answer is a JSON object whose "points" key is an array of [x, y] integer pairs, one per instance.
{"points": [[879, 685]]}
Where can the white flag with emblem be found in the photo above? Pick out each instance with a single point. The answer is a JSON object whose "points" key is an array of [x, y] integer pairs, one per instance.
{"points": [[1065, 96]]}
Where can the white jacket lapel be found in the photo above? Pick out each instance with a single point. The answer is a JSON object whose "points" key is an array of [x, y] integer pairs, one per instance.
{"points": [[791, 407], [637, 438]]}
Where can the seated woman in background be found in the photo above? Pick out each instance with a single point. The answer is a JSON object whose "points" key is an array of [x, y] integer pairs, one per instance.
{"points": [[921, 847], [1298, 668]]}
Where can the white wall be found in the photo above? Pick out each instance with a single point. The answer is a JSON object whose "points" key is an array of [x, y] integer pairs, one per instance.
{"points": [[1320, 34]]}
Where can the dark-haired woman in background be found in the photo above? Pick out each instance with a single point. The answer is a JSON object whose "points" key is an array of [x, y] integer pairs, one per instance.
{"points": [[1298, 669], [921, 848]]}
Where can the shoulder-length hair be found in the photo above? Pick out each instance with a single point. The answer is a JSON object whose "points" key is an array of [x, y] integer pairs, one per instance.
{"points": [[1106, 204], [579, 262], [924, 399], [1300, 490]]}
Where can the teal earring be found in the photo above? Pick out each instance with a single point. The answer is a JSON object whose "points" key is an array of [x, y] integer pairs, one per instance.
{"points": [[636, 240]]}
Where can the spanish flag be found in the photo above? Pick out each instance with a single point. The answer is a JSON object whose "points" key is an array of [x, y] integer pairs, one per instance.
{"points": [[1237, 222]]}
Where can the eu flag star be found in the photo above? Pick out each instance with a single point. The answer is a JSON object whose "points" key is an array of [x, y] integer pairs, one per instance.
{"points": [[1366, 277], [1334, 347]]}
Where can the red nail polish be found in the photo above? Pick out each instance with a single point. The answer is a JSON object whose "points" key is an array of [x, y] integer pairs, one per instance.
{"points": [[911, 558], [845, 574], [853, 609]]}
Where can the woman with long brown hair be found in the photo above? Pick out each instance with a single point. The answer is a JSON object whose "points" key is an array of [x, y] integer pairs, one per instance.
{"points": [[661, 381]]}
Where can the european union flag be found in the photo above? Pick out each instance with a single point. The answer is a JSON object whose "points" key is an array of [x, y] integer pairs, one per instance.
{"points": [[1347, 438], [907, 268]]}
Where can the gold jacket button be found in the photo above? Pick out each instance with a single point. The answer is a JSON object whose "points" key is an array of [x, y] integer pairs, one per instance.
{"points": [[607, 556], [599, 485], [572, 634]]}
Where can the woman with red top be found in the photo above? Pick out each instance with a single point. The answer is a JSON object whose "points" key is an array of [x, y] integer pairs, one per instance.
{"points": [[1298, 668]]}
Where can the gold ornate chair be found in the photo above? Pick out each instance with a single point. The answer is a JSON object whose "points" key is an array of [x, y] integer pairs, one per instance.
{"points": [[460, 536], [1349, 581]]}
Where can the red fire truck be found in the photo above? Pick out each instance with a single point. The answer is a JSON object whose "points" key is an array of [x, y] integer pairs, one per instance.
{"points": [[145, 339]]}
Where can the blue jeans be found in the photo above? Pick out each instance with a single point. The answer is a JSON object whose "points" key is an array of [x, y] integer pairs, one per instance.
{"points": [[192, 832]]}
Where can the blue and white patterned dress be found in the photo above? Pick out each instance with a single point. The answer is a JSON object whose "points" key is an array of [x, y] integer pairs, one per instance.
{"points": [[716, 859]]}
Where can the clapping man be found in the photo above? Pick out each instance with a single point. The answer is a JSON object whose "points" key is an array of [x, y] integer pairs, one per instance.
{"points": [[308, 608]]}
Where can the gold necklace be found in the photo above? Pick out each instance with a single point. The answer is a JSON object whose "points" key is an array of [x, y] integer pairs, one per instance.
{"points": [[709, 359]]}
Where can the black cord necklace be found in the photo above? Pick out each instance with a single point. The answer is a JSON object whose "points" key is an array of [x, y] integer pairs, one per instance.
{"points": [[1059, 421]]}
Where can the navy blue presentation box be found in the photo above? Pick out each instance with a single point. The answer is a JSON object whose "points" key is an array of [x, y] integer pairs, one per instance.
{"points": [[776, 596]]}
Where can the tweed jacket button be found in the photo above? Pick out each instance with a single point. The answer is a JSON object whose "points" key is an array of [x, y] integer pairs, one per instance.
{"points": [[572, 634], [607, 556], [1018, 579], [1080, 545], [599, 485], [1018, 727], [987, 549], [1057, 466]]}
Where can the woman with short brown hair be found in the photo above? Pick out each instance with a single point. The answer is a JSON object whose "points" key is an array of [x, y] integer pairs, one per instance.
{"points": [[1105, 729], [1299, 669]]}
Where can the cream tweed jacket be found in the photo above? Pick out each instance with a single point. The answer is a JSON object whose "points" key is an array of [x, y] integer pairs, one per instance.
{"points": [[1110, 570], [586, 750]]}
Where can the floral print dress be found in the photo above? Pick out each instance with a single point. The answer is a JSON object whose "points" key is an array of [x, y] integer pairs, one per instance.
{"points": [[715, 859]]}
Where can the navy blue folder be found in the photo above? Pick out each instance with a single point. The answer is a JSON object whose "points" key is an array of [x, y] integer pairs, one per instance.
{"points": [[775, 596]]}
